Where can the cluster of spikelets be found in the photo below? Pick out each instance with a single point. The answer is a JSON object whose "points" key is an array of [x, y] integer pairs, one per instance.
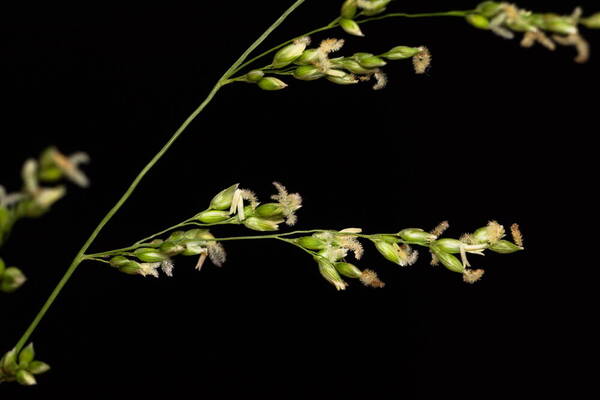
{"points": [[504, 19], [230, 206], [33, 200], [309, 64], [331, 248], [21, 367]]}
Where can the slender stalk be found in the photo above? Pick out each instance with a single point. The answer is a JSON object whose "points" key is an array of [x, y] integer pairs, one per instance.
{"points": [[80, 255], [456, 13], [278, 236]]}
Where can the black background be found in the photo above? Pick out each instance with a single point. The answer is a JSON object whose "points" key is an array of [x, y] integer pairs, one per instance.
{"points": [[492, 131]]}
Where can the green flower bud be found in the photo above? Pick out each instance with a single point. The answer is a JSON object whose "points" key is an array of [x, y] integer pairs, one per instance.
{"points": [[308, 57], [9, 362], [255, 75], [171, 248], [389, 251], [559, 24], [416, 236], [288, 54], [261, 224], [592, 22], [308, 73], [478, 21], [347, 269], [504, 247], [376, 7], [329, 272], [311, 243], [176, 236], [130, 268], [204, 234], [344, 79], [350, 27], [348, 9], [38, 367], [193, 234], [351, 65], [26, 356], [213, 216], [372, 62], [25, 378], [448, 245], [118, 261], [222, 200], [48, 170], [2, 267], [489, 8], [194, 247], [269, 210], [448, 260], [12, 279], [149, 255], [269, 83], [520, 25], [401, 52]]}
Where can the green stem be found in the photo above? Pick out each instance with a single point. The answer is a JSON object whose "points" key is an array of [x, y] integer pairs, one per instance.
{"points": [[81, 254], [461, 13], [279, 236]]}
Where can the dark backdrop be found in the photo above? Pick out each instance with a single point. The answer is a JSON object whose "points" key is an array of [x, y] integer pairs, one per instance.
{"points": [[492, 131]]}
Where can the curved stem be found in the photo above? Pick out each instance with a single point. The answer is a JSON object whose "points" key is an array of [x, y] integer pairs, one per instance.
{"points": [[81, 254], [456, 13]]}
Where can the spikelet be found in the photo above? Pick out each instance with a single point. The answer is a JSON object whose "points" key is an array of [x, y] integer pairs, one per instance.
{"points": [[422, 60], [370, 278]]}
